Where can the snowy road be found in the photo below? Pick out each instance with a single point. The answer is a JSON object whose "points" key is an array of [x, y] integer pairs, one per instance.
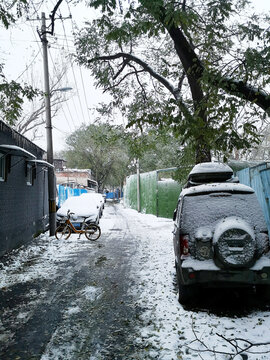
{"points": [[116, 299]]}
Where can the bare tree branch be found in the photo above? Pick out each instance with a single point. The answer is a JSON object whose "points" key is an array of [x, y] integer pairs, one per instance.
{"points": [[121, 69], [52, 16], [234, 342], [174, 91], [123, 78], [139, 82]]}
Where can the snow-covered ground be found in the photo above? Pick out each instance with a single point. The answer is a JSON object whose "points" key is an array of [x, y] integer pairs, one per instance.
{"points": [[165, 329], [174, 332]]}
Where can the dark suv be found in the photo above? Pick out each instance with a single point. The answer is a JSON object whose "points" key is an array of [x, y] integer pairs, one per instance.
{"points": [[220, 236]]}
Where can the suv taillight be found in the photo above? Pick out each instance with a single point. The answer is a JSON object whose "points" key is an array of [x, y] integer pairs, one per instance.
{"points": [[184, 249]]}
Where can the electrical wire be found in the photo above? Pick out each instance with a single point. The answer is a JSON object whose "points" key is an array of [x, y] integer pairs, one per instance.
{"points": [[40, 49], [27, 67], [72, 67], [62, 43], [84, 92], [59, 79], [85, 98]]}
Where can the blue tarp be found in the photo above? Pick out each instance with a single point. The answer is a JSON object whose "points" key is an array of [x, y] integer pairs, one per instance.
{"points": [[114, 195], [65, 192]]}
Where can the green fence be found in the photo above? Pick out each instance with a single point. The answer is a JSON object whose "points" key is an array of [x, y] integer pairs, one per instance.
{"points": [[158, 192]]}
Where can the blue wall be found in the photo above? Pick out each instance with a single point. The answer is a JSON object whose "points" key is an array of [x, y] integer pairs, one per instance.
{"points": [[258, 177]]}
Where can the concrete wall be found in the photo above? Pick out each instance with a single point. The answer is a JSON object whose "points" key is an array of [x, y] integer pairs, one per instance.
{"points": [[23, 208]]}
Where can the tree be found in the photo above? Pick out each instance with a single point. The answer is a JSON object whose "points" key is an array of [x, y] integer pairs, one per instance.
{"points": [[33, 113], [198, 67], [99, 148], [10, 10], [156, 149], [12, 94], [111, 152]]}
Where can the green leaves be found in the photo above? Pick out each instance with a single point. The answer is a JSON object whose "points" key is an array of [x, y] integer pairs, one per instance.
{"points": [[224, 60], [8, 15], [12, 95], [99, 147]]}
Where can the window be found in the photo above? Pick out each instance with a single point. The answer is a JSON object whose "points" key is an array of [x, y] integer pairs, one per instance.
{"points": [[2, 167], [29, 174]]}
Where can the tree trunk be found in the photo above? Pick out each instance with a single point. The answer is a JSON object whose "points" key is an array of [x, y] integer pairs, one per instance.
{"points": [[202, 153], [193, 70]]}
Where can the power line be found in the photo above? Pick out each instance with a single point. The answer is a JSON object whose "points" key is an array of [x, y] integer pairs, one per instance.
{"points": [[60, 130], [38, 42], [74, 74], [27, 67], [85, 98], [59, 79]]}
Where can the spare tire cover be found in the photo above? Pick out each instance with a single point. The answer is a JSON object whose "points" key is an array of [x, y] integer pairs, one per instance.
{"points": [[234, 243]]}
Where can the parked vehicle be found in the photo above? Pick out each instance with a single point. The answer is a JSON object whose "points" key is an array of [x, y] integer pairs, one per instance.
{"points": [[220, 237], [81, 207], [95, 198]]}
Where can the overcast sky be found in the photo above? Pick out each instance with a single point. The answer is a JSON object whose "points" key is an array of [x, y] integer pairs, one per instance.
{"points": [[22, 56]]}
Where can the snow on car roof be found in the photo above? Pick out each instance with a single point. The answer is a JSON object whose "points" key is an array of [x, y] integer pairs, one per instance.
{"points": [[216, 187], [210, 167], [80, 205], [93, 197]]}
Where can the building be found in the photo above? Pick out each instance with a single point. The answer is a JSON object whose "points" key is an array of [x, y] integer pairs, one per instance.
{"points": [[59, 164], [23, 190], [75, 178]]}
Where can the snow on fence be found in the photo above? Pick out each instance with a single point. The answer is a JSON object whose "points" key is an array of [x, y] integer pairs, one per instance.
{"points": [[158, 192], [64, 192]]}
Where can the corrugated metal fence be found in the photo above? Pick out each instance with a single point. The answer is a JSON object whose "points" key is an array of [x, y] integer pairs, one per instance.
{"points": [[65, 192], [114, 195], [158, 195], [258, 177]]}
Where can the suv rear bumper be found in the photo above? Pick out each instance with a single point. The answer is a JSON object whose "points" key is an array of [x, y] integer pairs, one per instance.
{"points": [[189, 276]]}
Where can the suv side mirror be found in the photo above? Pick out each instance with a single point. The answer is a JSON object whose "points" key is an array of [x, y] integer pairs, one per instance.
{"points": [[174, 214]]}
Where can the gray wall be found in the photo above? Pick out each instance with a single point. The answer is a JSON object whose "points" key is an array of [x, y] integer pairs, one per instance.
{"points": [[23, 208]]}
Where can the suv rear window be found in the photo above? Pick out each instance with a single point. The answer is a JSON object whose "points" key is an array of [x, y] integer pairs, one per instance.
{"points": [[201, 210]]}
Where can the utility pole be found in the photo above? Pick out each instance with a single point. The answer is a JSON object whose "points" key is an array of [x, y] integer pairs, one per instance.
{"points": [[138, 186], [51, 176]]}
